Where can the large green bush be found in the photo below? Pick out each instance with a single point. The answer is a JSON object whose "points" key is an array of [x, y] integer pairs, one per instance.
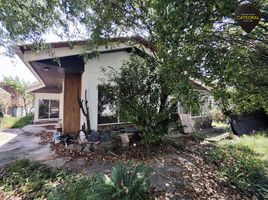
{"points": [[147, 94]]}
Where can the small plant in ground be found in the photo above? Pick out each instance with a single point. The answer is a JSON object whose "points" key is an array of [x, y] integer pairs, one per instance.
{"points": [[126, 182], [243, 170]]}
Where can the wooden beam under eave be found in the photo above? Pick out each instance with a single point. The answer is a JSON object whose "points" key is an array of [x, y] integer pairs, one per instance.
{"points": [[71, 109]]}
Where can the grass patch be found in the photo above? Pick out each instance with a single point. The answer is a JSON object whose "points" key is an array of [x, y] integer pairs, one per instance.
{"points": [[33, 181], [78, 188], [127, 181], [220, 124], [243, 163], [16, 122], [258, 143], [30, 179]]}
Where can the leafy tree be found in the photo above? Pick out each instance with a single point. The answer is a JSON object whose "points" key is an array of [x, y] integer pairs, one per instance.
{"points": [[197, 39], [146, 97], [2, 110], [20, 86]]}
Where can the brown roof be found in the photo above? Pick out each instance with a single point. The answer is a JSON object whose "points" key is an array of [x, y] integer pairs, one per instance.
{"points": [[48, 89]]}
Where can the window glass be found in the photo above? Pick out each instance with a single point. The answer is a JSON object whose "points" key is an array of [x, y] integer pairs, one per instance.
{"points": [[107, 106], [48, 109], [43, 109], [54, 108]]}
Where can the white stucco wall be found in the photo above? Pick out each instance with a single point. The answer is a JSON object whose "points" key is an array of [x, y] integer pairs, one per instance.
{"points": [[54, 96], [91, 78]]}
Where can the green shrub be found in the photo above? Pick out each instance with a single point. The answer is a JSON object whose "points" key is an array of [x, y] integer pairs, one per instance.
{"points": [[242, 168], [74, 189], [23, 121], [126, 182], [16, 122]]}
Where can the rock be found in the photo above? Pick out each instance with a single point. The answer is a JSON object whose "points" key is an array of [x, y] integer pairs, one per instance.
{"points": [[57, 162], [82, 138], [106, 137], [94, 137], [70, 147], [78, 148], [97, 148], [125, 140], [102, 147], [87, 148]]}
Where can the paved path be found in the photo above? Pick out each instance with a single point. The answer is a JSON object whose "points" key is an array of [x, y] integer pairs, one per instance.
{"points": [[22, 143]]}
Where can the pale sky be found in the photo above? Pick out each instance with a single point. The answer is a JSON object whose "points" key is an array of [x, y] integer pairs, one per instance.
{"points": [[15, 67]]}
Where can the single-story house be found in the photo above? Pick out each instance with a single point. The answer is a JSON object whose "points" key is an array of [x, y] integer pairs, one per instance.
{"points": [[56, 96]]}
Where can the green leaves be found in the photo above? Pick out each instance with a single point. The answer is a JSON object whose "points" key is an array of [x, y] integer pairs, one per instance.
{"points": [[127, 181], [240, 165], [197, 39]]}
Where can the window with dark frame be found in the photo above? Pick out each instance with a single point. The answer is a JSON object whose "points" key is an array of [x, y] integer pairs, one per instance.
{"points": [[49, 109]]}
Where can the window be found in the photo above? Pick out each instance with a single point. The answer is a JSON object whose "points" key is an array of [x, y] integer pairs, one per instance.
{"points": [[48, 109], [107, 105]]}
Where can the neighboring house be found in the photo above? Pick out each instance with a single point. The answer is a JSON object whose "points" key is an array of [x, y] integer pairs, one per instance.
{"points": [[11, 100], [5, 99], [56, 97]]}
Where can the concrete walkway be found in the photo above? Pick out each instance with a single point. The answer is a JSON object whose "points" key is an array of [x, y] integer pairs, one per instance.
{"points": [[22, 143]]}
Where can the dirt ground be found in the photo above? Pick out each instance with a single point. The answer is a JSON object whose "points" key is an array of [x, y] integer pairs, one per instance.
{"points": [[177, 174]]}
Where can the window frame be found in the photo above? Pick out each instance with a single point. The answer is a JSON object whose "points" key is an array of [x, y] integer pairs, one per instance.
{"points": [[49, 109], [117, 109]]}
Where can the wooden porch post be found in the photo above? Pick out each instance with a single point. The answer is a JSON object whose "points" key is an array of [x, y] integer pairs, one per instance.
{"points": [[71, 110]]}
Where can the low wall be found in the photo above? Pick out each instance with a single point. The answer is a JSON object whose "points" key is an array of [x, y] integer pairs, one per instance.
{"points": [[113, 126], [202, 122]]}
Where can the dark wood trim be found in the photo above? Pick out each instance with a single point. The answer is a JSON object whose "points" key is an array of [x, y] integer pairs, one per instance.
{"points": [[71, 110]]}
